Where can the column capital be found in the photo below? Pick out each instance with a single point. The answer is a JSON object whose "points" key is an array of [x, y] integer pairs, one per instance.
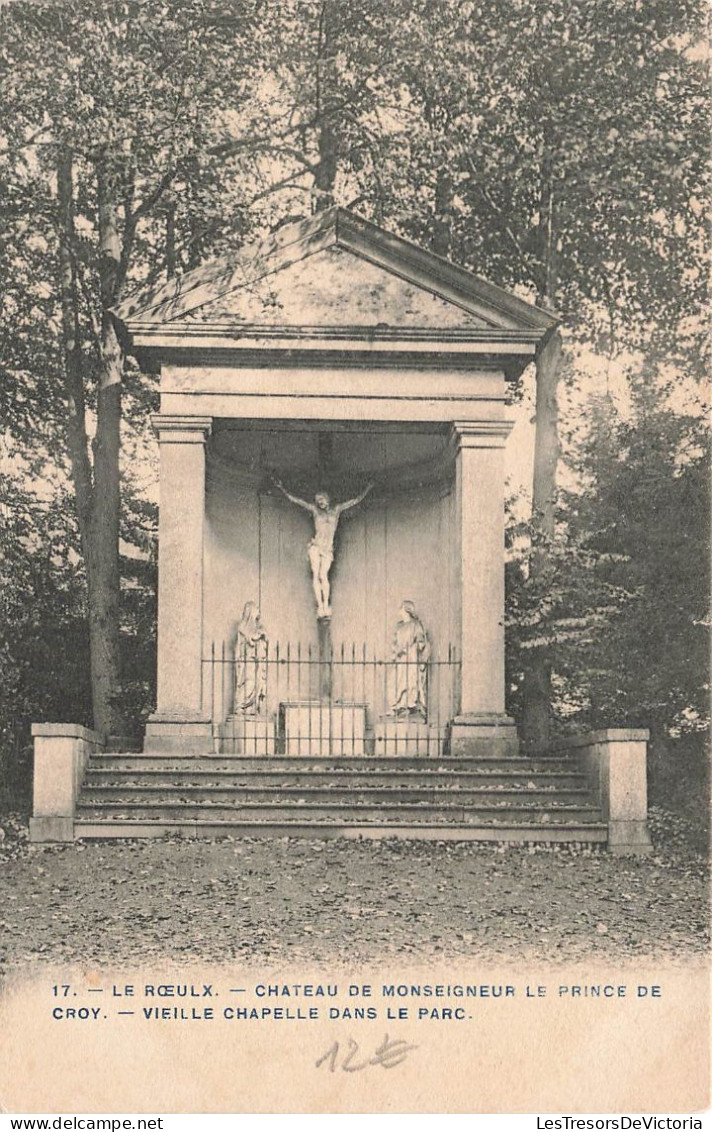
{"points": [[479, 434], [173, 429]]}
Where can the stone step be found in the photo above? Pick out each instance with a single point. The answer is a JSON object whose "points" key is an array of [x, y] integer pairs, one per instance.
{"points": [[473, 798], [461, 793], [294, 763], [263, 779], [308, 811], [576, 833]]}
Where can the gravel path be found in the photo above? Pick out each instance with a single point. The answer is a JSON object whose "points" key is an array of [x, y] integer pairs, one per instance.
{"points": [[309, 901]]}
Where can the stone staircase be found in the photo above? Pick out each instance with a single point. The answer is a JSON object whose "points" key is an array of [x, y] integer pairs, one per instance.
{"points": [[449, 798]]}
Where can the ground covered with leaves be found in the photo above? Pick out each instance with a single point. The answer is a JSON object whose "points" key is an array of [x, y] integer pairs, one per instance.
{"points": [[304, 901]]}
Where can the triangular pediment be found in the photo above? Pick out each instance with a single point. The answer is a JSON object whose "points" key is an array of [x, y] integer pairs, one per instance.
{"points": [[334, 271], [334, 288]]}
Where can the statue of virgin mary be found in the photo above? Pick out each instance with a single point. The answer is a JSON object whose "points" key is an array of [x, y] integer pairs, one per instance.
{"points": [[250, 662], [411, 652]]}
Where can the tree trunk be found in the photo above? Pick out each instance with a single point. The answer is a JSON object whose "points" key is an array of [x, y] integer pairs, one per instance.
{"points": [[535, 719], [104, 597], [327, 140], [103, 568], [96, 490], [547, 448], [73, 360], [325, 173], [442, 217], [171, 255]]}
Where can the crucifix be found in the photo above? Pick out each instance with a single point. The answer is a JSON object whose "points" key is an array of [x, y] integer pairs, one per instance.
{"points": [[320, 551]]}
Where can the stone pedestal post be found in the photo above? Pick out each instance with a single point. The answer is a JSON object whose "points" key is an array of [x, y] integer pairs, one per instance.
{"points": [[615, 761], [481, 725], [180, 720], [62, 752], [326, 657]]}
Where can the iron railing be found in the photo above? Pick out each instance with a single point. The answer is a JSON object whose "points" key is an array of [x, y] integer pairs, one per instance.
{"points": [[294, 700]]}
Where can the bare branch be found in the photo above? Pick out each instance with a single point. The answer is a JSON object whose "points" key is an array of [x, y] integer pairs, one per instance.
{"points": [[285, 183], [153, 197]]}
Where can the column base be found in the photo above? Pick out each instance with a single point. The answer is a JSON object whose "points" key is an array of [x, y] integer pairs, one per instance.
{"points": [[484, 735], [629, 838], [187, 734], [51, 829]]}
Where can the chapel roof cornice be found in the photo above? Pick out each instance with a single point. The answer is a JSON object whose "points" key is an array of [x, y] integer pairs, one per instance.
{"points": [[219, 305]]}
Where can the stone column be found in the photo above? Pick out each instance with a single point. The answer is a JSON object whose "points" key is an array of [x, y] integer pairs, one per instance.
{"points": [[481, 726], [181, 720]]}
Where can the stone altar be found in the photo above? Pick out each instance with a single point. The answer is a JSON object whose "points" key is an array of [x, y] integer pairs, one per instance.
{"points": [[314, 729]]}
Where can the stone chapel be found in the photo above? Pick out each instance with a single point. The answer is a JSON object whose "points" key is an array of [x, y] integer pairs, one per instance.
{"points": [[332, 424]]}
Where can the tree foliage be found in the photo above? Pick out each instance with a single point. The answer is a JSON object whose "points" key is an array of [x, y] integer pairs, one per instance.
{"points": [[112, 110], [557, 148], [622, 612]]}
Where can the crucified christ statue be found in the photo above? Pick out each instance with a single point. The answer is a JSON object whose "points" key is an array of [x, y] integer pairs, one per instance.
{"points": [[321, 548]]}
